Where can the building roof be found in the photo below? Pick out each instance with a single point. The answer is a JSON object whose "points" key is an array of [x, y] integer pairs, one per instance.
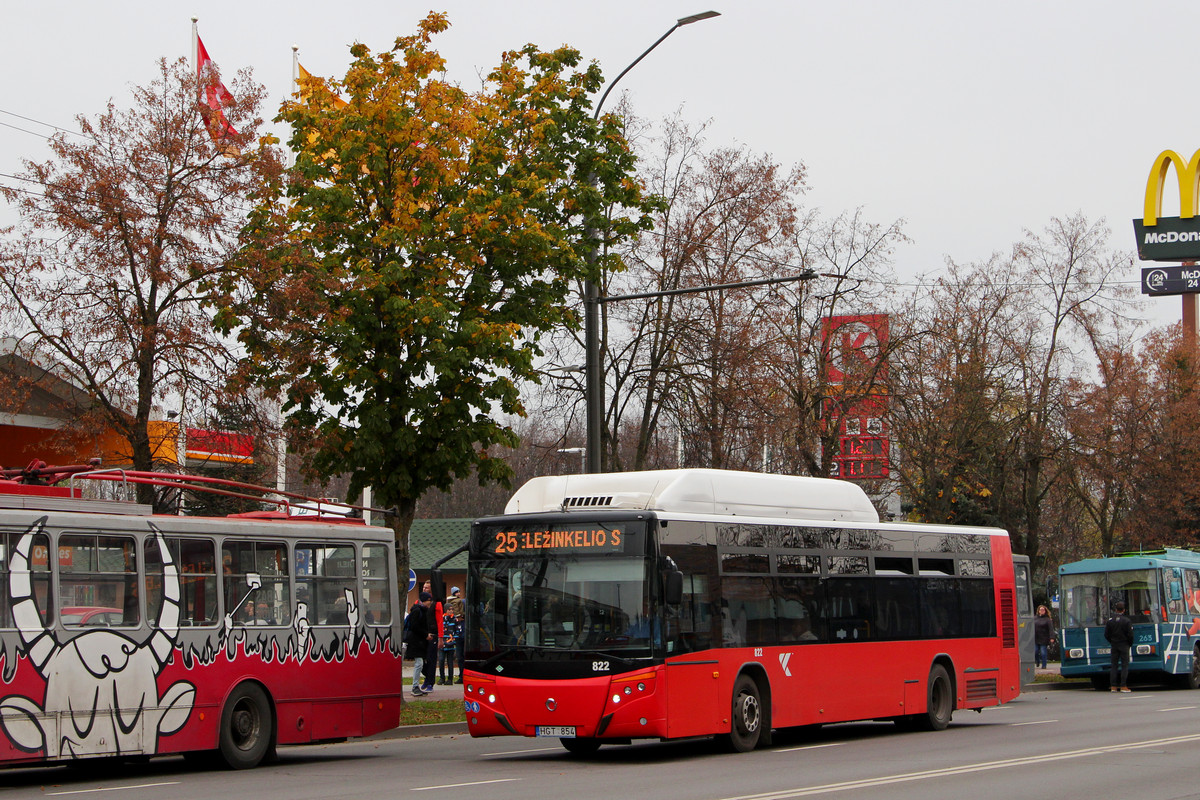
{"points": [[430, 540]]}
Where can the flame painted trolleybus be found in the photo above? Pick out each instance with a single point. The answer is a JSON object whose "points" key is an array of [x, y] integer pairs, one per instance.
{"points": [[127, 633], [1161, 591], [605, 608]]}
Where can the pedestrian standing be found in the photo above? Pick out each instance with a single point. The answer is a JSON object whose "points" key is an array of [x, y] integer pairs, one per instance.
{"points": [[458, 608], [420, 633], [1119, 633], [452, 630], [1043, 636], [434, 615]]}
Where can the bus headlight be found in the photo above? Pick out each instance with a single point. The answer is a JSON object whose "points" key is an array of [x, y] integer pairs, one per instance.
{"points": [[1145, 649], [1075, 652]]}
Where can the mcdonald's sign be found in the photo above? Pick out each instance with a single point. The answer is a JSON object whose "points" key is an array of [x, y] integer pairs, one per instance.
{"points": [[1162, 238]]}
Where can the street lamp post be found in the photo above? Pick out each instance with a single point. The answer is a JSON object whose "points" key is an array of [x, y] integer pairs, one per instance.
{"points": [[593, 379]]}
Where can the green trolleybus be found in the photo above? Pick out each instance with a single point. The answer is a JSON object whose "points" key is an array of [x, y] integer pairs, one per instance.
{"points": [[1161, 591]]}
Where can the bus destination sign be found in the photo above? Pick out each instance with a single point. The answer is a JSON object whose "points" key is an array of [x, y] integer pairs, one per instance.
{"points": [[591, 539]]}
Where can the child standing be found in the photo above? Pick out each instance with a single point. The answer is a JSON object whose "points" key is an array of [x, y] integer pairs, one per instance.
{"points": [[452, 629]]}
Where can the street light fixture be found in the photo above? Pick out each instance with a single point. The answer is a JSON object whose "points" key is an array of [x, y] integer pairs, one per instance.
{"points": [[591, 295]]}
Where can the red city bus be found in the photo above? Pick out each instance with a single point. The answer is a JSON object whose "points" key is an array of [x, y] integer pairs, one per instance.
{"points": [[606, 608], [126, 633]]}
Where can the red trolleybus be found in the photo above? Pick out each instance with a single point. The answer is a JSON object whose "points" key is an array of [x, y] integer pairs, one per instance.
{"points": [[126, 633], [605, 608]]}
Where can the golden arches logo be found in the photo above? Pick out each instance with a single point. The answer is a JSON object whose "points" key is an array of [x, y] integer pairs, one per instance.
{"points": [[1188, 175]]}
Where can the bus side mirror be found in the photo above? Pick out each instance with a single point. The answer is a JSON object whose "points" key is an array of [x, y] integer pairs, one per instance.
{"points": [[674, 588], [1176, 593], [437, 585]]}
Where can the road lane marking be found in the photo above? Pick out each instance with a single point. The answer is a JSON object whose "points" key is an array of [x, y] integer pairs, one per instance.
{"points": [[1039, 722], [113, 788], [829, 788], [1177, 708], [459, 785], [808, 747]]}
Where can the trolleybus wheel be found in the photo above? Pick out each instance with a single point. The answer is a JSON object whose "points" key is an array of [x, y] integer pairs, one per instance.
{"points": [[745, 728], [246, 727], [581, 746], [1191, 680], [940, 705]]}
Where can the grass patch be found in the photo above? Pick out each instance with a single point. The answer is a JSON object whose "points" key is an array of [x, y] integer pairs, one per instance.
{"points": [[430, 712], [1054, 677]]}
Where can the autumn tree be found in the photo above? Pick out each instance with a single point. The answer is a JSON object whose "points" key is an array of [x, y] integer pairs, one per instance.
{"points": [[428, 238], [1165, 491], [1068, 274], [953, 393], [122, 232], [819, 378]]}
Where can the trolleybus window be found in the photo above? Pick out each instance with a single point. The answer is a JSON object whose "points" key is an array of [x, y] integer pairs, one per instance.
{"points": [[377, 607], [1137, 588], [325, 574], [39, 570], [267, 560], [98, 580], [195, 559]]}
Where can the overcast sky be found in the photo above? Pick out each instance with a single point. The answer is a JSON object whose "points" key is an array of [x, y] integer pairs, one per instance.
{"points": [[972, 121]]}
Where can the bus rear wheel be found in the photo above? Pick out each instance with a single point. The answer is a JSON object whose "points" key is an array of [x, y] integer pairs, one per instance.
{"points": [[746, 723], [247, 727], [939, 706], [582, 746]]}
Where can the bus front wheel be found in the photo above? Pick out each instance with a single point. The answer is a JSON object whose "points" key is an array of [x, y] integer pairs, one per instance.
{"points": [[246, 727], [745, 728], [940, 701]]}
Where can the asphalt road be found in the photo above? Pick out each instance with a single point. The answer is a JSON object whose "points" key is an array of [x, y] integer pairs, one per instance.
{"points": [[1064, 743]]}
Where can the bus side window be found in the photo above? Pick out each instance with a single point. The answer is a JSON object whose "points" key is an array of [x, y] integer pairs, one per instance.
{"points": [[98, 578], [39, 568], [1192, 593]]}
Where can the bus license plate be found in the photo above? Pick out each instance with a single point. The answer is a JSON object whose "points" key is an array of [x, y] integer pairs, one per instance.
{"points": [[1103, 651], [561, 731]]}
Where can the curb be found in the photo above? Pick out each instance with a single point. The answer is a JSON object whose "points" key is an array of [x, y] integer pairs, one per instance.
{"points": [[410, 731], [1053, 687]]}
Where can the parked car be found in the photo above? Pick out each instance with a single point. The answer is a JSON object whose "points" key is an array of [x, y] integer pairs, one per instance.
{"points": [[91, 617]]}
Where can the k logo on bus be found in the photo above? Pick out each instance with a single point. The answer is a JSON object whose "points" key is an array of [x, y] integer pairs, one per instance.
{"points": [[784, 658]]}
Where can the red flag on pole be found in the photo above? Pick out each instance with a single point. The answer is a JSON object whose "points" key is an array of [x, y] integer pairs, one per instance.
{"points": [[213, 97]]}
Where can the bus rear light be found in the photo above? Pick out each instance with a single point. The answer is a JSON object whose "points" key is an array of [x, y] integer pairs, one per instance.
{"points": [[1075, 652], [1145, 649]]}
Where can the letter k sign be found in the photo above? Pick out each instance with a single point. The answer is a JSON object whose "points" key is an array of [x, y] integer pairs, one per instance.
{"points": [[784, 658]]}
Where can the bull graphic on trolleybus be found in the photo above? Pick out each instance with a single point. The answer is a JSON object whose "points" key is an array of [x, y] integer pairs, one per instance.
{"points": [[100, 683]]}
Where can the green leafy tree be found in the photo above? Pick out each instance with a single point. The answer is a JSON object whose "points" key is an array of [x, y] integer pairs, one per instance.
{"points": [[428, 239]]}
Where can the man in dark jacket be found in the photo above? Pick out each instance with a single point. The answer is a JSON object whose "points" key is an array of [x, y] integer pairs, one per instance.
{"points": [[419, 636], [1119, 633]]}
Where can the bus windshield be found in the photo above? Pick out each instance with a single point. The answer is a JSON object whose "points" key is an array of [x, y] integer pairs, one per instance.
{"points": [[1089, 597], [562, 602]]}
